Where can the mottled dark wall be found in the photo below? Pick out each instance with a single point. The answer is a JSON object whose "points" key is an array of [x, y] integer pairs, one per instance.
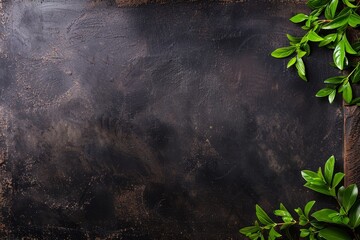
{"points": [[153, 122]]}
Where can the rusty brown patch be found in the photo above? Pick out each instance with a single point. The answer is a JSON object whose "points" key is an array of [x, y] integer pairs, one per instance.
{"points": [[352, 143]]}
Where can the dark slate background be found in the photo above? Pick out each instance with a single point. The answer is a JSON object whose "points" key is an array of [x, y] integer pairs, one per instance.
{"points": [[154, 122]]}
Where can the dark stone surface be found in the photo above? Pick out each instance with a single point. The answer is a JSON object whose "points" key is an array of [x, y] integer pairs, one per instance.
{"points": [[156, 122]]}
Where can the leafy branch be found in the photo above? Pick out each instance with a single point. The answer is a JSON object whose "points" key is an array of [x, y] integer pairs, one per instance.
{"points": [[340, 223], [328, 25]]}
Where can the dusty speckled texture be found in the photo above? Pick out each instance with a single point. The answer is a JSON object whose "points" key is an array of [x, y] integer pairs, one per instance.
{"points": [[153, 122], [352, 141]]}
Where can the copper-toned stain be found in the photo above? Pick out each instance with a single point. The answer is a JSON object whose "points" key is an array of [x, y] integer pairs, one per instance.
{"points": [[352, 144]]}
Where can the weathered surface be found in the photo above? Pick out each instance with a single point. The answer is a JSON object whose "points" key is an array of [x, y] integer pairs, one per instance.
{"points": [[156, 122], [352, 142]]}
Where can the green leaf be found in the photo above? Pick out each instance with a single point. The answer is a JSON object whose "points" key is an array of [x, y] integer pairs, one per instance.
{"points": [[355, 78], [262, 216], [339, 55], [337, 179], [348, 196], [283, 52], [319, 188], [300, 66], [335, 80], [293, 39], [316, 4], [331, 9], [306, 48], [304, 233], [333, 233], [308, 175], [301, 54], [324, 92], [320, 174], [291, 62], [348, 47], [340, 194], [332, 96], [349, 4], [299, 18], [280, 213], [308, 208], [274, 234], [356, 100], [354, 216], [338, 22], [323, 215], [314, 37], [300, 212], [329, 168], [249, 230], [347, 93], [354, 20], [286, 225], [328, 39]]}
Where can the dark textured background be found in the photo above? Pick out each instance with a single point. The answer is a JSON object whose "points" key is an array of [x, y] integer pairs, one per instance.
{"points": [[153, 122]]}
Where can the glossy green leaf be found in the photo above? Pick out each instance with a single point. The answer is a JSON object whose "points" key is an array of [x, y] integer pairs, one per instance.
{"points": [[331, 9], [314, 37], [299, 18], [324, 92], [315, 4], [328, 39], [340, 194], [283, 52], [320, 189], [323, 215], [338, 22], [356, 100], [348, 47], [308, 208], [273, 234], [333, 233], [355, 78], [335, 80], [308, 175], [337, 179], [280, 213], [293, 39], [320, 174], [301, 54], [300, 66], [304, 233], [249, 230], [262, 216], [354, 20], [347, 93], [308, 23], [329, 167], [339, 55], [354, 215], [299, 211], [306, 48], [349, 4], [348, 196], [332, 96], [286, 225], [291, 62]]}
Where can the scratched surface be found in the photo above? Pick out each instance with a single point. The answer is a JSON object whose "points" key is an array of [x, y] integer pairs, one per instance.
{"points": [[153, 122]]}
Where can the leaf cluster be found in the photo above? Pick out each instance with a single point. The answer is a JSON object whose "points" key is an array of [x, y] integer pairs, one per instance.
{"points": [[327, 25], [340, 223]]}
